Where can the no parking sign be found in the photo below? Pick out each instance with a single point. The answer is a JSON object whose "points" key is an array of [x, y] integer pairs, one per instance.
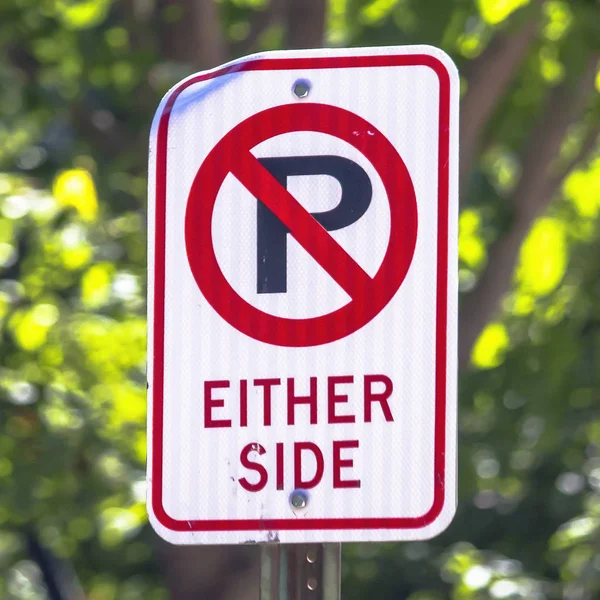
{"points": [[302, 299]]}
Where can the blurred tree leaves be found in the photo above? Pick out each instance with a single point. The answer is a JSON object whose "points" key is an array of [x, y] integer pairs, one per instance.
{"points": [[79, 82]]}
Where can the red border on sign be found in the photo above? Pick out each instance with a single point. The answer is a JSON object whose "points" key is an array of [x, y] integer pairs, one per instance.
{"points": [[439, 475]]}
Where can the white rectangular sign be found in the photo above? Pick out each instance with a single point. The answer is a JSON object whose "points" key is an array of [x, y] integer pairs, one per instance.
{"points": [[303, 299]]}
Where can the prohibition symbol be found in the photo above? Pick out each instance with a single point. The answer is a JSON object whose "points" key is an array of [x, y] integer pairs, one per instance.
{"points": [[369, 295]]}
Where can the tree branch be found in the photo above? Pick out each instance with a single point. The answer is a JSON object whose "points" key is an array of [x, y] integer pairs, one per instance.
{"points": [[536, 187], [59, 578], [491, 74], [587, 146], [305, 23], [196, 37], [259, 22]]}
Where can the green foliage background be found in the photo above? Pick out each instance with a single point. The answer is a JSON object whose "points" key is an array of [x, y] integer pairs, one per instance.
{"points": [[79, 82]]}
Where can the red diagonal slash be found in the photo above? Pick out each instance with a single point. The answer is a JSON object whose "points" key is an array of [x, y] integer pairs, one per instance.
{"points": [[310, 234]]}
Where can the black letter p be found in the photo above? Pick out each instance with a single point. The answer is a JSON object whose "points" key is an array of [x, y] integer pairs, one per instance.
{"points": [[272, 233]]}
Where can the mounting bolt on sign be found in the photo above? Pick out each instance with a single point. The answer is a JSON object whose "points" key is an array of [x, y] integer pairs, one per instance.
{"points": [[303, 301]]}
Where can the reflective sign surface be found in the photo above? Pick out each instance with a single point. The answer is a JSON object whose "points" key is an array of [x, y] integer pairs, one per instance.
{"points": [[303, 299]]}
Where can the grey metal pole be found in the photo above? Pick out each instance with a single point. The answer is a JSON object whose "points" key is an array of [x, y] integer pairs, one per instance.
{"points": [[300, 571]]}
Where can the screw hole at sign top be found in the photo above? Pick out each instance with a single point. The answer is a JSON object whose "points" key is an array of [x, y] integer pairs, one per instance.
{"points": [[301, 88]]}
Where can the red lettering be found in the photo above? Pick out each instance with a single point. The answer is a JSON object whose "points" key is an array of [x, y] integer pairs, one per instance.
{"points": [[254, 466], [299, 447], [210, 403], [293, 400], [279, 465], [333, 399], [339, 464], [381, 397], [267, 384], [243, 403]]}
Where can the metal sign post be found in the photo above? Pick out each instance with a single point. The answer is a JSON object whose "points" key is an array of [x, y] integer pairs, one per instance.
{"points": [[300, 571]]}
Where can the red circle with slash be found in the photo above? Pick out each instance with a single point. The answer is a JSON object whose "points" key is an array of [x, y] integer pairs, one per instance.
{"points": [[369, 295]]}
